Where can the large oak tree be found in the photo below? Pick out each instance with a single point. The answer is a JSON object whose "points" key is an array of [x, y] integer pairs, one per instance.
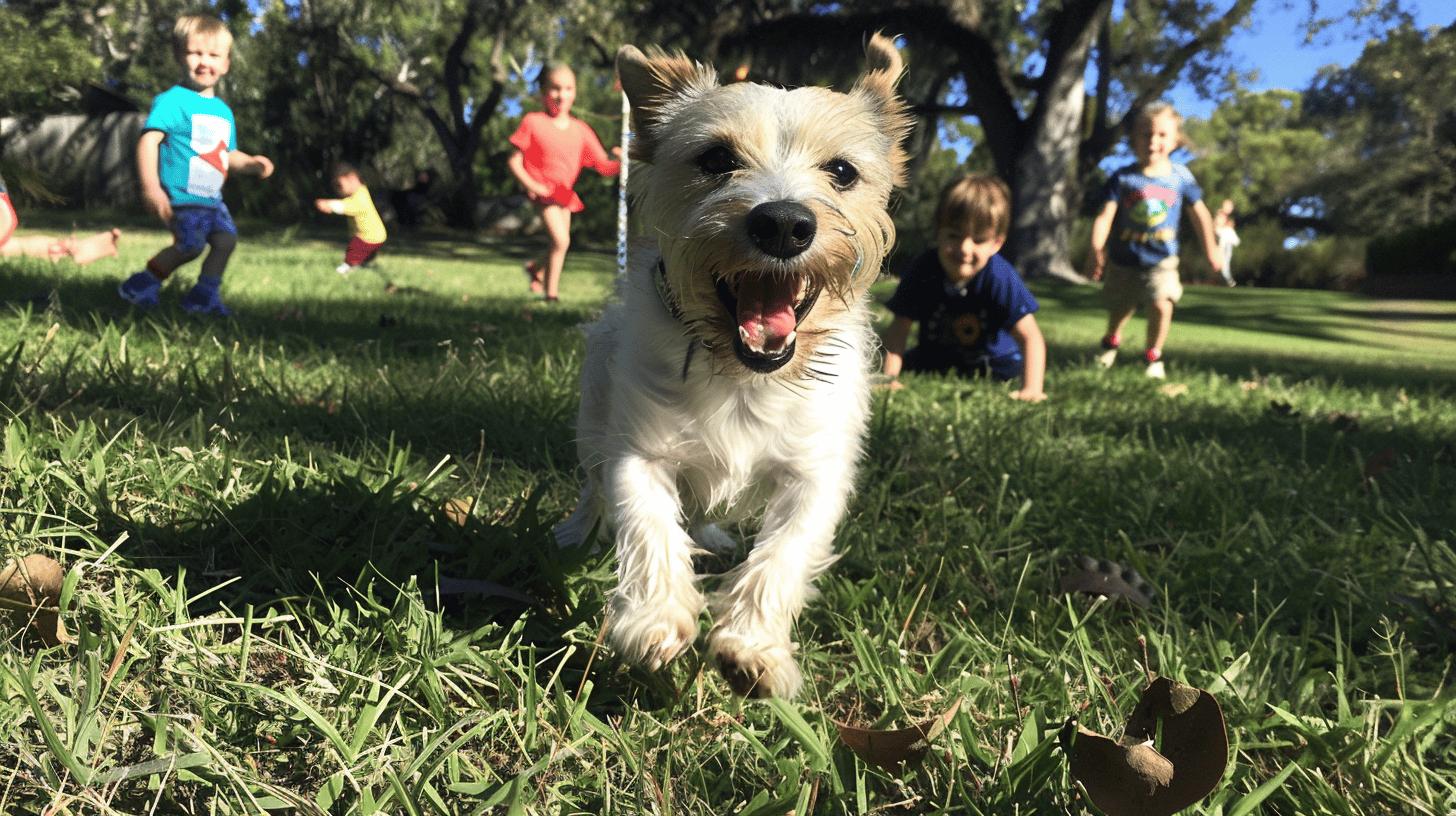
{"points": [[1023, 68]]}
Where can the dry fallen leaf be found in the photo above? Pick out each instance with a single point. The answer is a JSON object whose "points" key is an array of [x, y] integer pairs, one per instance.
{"points": [[31, 587], [1132, 776], [1103, 577], [888, 748], [458, 510]]}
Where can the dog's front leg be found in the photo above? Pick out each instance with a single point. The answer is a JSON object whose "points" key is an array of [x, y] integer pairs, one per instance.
{"points": [[752, 620], [654, 612]]}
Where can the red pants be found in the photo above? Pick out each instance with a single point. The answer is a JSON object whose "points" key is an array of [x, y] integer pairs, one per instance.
{"points": [[360, 251]]}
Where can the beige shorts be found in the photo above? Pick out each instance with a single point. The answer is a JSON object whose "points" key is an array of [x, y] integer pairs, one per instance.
{"points": [[1133, 286]]}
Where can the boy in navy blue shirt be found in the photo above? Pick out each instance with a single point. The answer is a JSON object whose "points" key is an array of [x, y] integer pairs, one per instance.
{"points": [[976, 316]]}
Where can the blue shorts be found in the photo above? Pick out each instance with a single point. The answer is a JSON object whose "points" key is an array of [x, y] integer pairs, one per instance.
{"points": [[191, 225]]}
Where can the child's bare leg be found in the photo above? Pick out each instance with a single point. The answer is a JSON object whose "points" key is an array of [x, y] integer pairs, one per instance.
{"points": [[34, 246], [1117, 318], [93, 247], [536, 275], [1160, 317], [558, 227]]}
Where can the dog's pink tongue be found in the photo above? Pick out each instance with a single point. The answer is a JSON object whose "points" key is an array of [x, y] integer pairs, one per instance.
{"points": [[766, 312]]}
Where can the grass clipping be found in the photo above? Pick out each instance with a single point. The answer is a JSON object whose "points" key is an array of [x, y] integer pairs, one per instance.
{"points": [[30, 588], [1131, 777]]}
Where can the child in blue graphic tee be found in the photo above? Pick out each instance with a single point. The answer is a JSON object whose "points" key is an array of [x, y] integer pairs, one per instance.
{"points": [[187, 147], [1135, 237], [976, 316]]}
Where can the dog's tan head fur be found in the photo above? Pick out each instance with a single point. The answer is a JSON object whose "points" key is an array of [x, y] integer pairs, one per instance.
{"points": [[768, 204]]}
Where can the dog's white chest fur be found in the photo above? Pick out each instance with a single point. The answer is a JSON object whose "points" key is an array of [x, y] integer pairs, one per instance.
{"points": [[730, 441]]}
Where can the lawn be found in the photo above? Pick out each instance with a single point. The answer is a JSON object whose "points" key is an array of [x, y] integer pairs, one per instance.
{"points": [[310, 568]]}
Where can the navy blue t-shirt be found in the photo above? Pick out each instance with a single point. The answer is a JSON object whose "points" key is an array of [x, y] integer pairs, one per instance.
{"points": [[964, 328], [1145, 230]]}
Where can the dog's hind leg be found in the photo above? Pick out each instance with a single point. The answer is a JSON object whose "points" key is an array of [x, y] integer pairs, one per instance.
{"points": [[579, 525]]}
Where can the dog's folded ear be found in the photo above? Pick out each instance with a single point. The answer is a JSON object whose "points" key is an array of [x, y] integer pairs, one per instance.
{"points": [[883, 69], [655, 83]]}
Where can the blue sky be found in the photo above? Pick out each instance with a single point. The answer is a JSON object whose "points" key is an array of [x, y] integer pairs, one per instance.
{"points": [[1275, 46]]}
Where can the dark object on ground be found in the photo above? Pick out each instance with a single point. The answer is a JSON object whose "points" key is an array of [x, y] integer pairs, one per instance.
{"points": [[1103, 577]]}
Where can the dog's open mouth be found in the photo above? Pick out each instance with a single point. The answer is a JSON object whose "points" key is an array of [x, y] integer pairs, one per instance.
{"points": [[767, 309]]}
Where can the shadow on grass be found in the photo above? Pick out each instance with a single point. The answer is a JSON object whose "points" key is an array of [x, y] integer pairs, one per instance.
{"points": [[1216, 501], [426, 372], [1321, 316], [299, 548], [1184, 361]]}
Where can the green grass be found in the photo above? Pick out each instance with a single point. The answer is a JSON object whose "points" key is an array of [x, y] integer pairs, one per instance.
{"points": [[280, 606]]}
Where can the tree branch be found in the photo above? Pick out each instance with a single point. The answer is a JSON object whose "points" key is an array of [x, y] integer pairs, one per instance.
{"points": [[987, 81]]}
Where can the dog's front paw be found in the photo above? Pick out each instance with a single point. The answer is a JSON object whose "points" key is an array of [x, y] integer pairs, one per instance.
{"points": [[755, 669], [651, 634]]}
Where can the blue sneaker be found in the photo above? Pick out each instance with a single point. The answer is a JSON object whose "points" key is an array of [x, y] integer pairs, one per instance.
{"points": [[141, 290], [204, 299]]}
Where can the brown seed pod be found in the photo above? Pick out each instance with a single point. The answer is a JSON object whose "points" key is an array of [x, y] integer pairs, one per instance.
{"points": [[31, 588], [1132, 777], [888, 748]]}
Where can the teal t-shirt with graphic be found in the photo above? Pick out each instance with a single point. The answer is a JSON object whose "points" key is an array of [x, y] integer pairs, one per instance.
{"points": [[193, 159]]}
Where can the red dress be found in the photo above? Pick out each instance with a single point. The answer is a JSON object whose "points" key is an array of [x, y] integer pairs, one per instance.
{"points": [[555, 156], [14, 219]]}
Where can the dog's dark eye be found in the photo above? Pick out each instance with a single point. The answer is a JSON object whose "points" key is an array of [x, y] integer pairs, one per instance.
{"points": [[842, 172], [718, 160]]}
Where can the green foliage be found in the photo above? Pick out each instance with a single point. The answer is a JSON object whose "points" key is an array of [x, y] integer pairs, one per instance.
{"points": [[1264, 258], [268, 623], [1257, 150], [1427, 249], [43, 63], [1392, 119]]}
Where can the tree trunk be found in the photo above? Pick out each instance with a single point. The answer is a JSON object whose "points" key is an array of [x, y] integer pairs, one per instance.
{"points": [[1045, 186], [1044, 182]]}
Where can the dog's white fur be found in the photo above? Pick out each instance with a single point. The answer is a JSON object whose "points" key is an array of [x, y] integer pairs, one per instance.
{"points": [[674, 431]]}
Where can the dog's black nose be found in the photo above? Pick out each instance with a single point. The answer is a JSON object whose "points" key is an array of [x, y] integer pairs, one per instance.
{"points": [[782, 229]]}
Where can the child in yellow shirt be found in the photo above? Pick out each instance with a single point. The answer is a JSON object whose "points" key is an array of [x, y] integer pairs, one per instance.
{"points": [[364, 220]]}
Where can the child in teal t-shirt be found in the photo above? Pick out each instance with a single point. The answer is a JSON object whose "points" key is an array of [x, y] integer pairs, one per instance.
{"points": [[187, 147]]}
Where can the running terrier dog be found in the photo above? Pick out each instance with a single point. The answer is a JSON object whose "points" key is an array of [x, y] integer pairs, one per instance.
{"points": [[729, 380]]}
